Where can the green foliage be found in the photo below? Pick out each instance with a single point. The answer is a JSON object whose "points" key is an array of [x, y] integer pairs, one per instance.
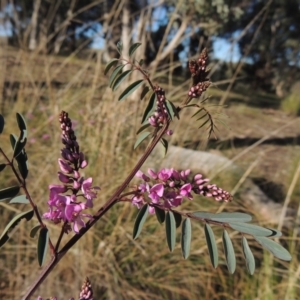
{"points": [[20, 199], [9, 192], [130, 89], [211, 245], [13, 223], [170, 230], [186, 237], [229, 252], [250, 261], [141, 138], [133, 48], [1, 123], [140, 220], [42, 246]]}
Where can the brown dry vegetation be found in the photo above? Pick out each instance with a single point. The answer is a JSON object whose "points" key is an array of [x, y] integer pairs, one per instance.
{"points": [[40, 87]]}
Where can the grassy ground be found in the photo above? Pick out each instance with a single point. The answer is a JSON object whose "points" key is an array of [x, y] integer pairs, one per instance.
{"points": [[119, 267]]}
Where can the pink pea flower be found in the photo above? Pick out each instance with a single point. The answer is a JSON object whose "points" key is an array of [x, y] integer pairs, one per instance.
{"points": [[156, 192]]}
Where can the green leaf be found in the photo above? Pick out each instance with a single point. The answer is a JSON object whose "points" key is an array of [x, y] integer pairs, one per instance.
{"points": [[223, 217], [2, 167], [133, 48], [178, 218], [212, 245], [140, 220], [275, 232], [204, 123], [20, 199], [22, 164], [165, 145], [229, 252], [142, 137], [150, 108], [13, 223], [110, 64], [2, 122], [9, 192], [144, 92], [21, 122], [160, 214], [172, 110], [141, 62], [186, 236], [170, 230], [275, 248], [120, 79], [250, 229], [114, 74], [42, 247], [142, 128], [250, 261], [129, 90], [34, 230], [19, 146], [197, 112], [13, 139], [120, 47]]}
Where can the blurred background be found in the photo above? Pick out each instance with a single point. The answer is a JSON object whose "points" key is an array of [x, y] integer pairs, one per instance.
{"points": [[52, 58]]}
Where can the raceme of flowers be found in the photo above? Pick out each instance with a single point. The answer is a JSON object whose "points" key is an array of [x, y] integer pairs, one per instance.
{"points": [[199, 71], [160, 115], [76, 194], [169, 187]]}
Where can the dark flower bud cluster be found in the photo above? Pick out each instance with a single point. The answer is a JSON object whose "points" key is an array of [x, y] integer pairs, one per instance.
{"points": [[197, 90], [199, 71], [67, 207], [161, 114], [169, 187]]}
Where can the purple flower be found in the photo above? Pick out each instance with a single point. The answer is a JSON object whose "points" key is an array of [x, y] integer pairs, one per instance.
{"points": [[140, 174], [89, 191], [64, 166], [67, 207], [165, 174], [156, 192], [185, 191], [74, 215], [138, 201]]}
